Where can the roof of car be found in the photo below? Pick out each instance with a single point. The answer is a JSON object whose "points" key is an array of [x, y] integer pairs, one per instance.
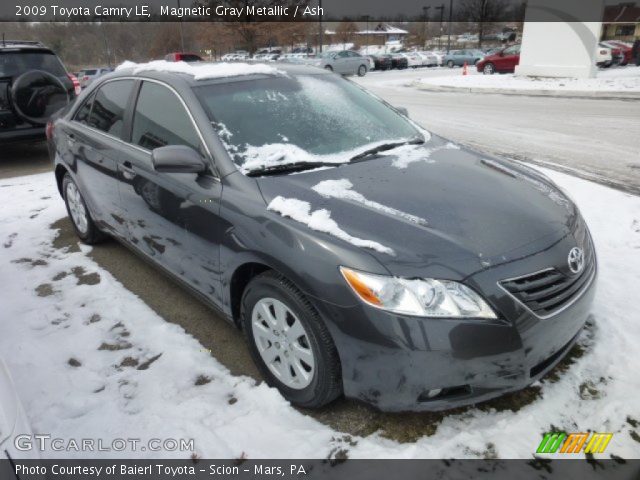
{"points": [[254, 70]]}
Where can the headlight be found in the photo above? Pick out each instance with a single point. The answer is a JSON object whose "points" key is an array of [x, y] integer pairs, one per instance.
{"points": [[424, 297]]}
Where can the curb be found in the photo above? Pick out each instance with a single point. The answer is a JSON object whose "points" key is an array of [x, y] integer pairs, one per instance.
{"points": [[530, 93]]}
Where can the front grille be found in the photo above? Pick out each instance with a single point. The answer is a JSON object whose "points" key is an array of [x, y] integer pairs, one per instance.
{"points": [[550, 290]]}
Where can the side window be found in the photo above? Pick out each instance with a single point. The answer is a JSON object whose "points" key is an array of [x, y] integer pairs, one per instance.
{"points": [[109, 105], [160, 119], [82, 115]]}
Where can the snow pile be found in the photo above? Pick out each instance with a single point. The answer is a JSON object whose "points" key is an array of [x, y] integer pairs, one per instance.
{"points": [[202, 70], [408, 154], [321, 221], [343, 189], [618, 80]]}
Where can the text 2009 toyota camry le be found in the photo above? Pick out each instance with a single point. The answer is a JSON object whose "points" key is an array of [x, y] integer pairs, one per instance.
{"points": [[360, 255]]}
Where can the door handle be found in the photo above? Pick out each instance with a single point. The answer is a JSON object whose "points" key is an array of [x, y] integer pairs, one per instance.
{"points": [[127, 170]]}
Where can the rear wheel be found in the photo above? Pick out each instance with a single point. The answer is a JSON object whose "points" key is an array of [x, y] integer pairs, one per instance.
{"points": [[489, 69], [450, 64], [362, 71], [81, 219], [289, 342], [328, 67]]}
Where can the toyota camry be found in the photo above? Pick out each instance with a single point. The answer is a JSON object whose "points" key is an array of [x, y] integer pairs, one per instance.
{"points": [[360, 255]]}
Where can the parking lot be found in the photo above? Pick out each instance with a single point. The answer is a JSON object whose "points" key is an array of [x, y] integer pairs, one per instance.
{"points": [[591, 139]]}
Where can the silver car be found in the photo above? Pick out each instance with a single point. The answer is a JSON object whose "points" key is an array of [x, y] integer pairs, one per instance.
{"points": [[88, 75], [344, 62]]}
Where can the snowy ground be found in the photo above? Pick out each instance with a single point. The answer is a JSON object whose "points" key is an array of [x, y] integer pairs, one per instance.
{"points": [[91, 360], [611, 80]]}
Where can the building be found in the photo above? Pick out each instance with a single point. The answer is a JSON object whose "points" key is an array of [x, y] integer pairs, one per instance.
{"points": [[621, 22], [382, 34]]}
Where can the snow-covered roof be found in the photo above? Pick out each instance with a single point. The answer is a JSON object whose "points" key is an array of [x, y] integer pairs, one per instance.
{"points": [[383, 29], [202, 71]]}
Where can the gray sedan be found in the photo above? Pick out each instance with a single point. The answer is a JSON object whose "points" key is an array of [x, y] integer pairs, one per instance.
{"points": [[457, 58], [345, 62]]}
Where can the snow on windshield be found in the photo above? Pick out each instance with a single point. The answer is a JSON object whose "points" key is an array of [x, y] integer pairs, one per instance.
{"points": [[320, 220], [343, 189], [202, 71]]}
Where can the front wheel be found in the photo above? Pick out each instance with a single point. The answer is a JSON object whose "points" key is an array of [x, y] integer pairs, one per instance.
{"points": [[289, 342], [450, 64], [489, 69], [328, 67], [362, 71], [77, 209]]}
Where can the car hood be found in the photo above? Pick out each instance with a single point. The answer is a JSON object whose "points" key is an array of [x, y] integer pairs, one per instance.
{"points": [[443, 210]]}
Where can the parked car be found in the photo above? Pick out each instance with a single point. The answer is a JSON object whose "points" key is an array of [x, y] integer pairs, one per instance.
{"points": [[33, 85], [87, 75], [505, 61], [406, 272], [381, 62], [604, 56], [457, 58], [621, 51], [616, 53], [413, 59], [345, 62], [183, 57], [429, 59], [399, 61]]}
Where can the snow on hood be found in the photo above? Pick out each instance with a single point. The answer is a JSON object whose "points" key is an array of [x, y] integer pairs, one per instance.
{"points": [[343, 189], [321, 221], [202, 71], [408, 154]]}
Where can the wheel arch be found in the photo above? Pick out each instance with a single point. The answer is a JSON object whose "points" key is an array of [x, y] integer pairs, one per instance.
{"points": [[60, 172]]}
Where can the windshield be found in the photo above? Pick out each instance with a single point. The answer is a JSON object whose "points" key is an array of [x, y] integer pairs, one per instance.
{"points": [[303, 118], [15, 63]]}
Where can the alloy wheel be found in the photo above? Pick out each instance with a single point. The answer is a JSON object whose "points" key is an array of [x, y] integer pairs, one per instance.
{"points": [[488, 69], [283, 343], [77, 208]]}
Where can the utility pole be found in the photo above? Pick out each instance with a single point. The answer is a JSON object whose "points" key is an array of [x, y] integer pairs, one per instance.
{"points": [[449, 29], [181, 30], [425, 11], [320, 26], [441, 8], [366, 17]]}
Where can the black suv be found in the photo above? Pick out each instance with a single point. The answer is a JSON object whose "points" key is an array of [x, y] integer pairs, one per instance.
{"points": [[33, 85]]}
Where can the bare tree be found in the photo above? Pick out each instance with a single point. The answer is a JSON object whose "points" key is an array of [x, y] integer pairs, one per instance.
{"points": [[346, 31], [483, 13]]}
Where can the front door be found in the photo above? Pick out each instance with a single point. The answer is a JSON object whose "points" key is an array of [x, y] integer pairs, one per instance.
{"points": [[161, 207]]}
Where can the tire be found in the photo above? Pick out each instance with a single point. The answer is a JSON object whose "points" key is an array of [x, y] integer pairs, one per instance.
{"points": [[489, 69], [269, 291], [450, 64], [328, 67], [475, 62], [86, 229], [362, 71]]}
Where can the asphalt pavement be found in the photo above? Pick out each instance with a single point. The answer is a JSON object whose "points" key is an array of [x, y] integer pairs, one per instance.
{"points": [[596, 139]]}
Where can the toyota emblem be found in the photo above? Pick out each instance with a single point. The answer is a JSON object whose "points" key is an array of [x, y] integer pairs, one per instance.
{"points": [[576, 260]]}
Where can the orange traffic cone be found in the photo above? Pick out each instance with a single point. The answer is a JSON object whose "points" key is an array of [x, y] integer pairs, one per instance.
{"points": [[464, 69]]}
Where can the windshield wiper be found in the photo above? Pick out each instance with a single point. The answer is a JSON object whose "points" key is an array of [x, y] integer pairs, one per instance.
{"points": [[288, 167], [384, 147]]}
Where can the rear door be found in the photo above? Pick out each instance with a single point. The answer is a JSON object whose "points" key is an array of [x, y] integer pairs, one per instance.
{"points": [[94, 141]]}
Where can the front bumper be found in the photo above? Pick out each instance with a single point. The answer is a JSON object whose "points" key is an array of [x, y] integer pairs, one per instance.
{"points": [[392, 362]]}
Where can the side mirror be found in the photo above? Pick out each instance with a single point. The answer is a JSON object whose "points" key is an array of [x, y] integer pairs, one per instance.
{"points": [[177, 159], [403, 111]]}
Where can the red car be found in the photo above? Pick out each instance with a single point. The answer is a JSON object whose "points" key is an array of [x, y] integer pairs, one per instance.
{"points": [[504, 61], [183, 57], [625, 50]]}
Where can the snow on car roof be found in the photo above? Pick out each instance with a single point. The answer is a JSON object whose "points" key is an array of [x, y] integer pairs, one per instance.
{"points": [[202, 71]]}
